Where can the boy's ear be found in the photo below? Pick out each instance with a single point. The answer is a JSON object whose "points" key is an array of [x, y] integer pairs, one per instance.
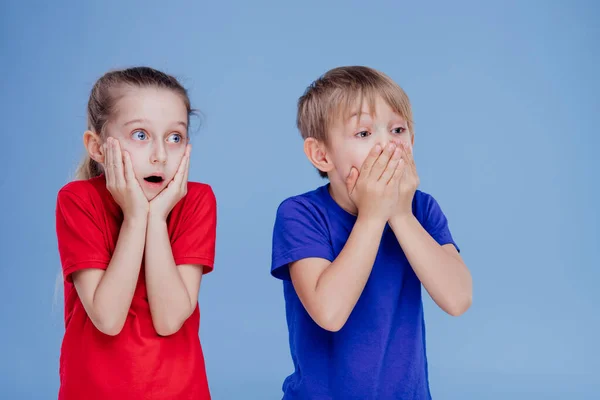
{"points": [[93, 144], [317, 154]]}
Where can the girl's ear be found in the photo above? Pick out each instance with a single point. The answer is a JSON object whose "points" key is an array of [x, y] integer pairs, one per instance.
{"points": [[93, 144]]}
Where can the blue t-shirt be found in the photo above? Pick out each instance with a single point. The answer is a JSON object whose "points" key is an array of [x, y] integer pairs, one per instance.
{"points": [[380, 352]]}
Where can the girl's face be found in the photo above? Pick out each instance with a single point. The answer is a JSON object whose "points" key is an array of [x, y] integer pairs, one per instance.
{"points": [[151, 124]]}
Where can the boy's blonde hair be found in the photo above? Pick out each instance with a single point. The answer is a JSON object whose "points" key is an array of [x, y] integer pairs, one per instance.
{"points": [[334, 94]]}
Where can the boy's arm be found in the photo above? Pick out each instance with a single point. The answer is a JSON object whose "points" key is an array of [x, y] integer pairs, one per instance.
{"points": [[440, 269], [329, 290]]}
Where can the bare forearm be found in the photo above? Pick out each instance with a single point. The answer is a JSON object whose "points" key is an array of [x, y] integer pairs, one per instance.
{"points": [[112, 298], [342, 282], [170, 303], [445, 277]]}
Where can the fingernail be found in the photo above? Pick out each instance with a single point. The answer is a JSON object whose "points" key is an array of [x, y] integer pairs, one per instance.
{"points": [[378, 148], [391, 145]]}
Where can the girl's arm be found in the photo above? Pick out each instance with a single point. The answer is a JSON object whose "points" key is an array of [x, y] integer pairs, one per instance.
{"points": [[106, 295], [172, 289]]}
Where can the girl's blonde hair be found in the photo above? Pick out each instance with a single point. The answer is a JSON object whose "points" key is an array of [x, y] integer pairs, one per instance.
{"points": [[104, 96]]}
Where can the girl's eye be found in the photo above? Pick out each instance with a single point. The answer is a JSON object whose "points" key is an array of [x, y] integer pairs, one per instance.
{"points": [[139, 135], [175, 138], [363, 134], [399, 130]]}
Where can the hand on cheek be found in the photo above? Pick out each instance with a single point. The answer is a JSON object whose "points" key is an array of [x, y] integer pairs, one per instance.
{"points": [[162, 204], [121, 181]]}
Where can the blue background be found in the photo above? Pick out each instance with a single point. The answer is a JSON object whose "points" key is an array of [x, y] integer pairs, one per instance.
{"points": [[506, 102]]}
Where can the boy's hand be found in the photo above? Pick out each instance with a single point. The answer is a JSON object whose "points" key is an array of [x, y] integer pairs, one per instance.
{"points": [[375, 190], [408, 182], [161, 205], [121, 181]]}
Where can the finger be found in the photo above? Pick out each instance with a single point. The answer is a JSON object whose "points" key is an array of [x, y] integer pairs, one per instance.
{"points": [[382, 161], [180, 170], [118, 163], [108, 170], [187, 168], [370, 160], [408, 153], [408, 156], [399, 172], [351, 180], [129, 174], [389, 171]]}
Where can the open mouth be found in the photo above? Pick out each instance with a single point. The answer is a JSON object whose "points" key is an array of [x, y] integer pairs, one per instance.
{"points": [[154, 179]]}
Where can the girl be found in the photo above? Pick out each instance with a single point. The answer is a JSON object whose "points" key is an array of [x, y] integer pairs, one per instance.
{"points": [[135, 238]]}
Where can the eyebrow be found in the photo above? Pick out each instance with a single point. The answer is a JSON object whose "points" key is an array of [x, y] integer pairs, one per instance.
{"points": [[355, 114], [141, 121]]}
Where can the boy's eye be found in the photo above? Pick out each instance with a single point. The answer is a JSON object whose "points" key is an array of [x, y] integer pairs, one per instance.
{"points": [[363, 134], [139, 135], [399, 129], [175, 138]]}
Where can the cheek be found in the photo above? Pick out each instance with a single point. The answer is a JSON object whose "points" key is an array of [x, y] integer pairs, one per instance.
{"points": [[352, 157], [174, 156], [132, 147], [359, 157], [137, 153]]}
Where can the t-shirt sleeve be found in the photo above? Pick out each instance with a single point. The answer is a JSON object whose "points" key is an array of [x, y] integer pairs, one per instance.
{"points": [[193, 242], [436, 224], [299, 232], [81, 240]]}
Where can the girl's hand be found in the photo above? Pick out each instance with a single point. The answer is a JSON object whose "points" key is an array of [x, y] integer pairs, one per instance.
{"points": [[161, 205], [121, 181]]}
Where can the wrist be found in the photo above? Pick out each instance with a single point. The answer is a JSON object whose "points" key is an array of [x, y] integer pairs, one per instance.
{"points": [[371, 222], [156, 217], [401, 220], [135, 219]]}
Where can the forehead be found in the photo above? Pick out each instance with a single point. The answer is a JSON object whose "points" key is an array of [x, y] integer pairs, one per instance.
{"points": [[152, 104], [362, 108]]}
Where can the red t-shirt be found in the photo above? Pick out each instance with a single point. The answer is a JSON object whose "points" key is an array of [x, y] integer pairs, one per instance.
{"points": [[137, 363]]}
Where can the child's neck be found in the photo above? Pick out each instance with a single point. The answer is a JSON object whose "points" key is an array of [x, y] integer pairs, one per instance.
{"points": [[339, 194]]}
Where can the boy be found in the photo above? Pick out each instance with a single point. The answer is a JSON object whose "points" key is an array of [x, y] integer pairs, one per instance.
{"points": [[353, 253]]}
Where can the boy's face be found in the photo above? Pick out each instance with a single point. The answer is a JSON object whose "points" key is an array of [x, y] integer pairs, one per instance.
{"points": [[351, 140], [151, 124]]}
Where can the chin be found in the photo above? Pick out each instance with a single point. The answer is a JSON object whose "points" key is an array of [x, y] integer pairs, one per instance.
{"points": [[150, 196]]}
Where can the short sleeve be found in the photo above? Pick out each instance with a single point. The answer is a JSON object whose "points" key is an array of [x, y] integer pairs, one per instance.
{"points": [[193, 240], [299, 232], [81, 241], [436, 223]]}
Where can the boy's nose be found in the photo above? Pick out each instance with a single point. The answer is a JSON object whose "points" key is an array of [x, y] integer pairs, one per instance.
{"points": [[396, 141]]}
